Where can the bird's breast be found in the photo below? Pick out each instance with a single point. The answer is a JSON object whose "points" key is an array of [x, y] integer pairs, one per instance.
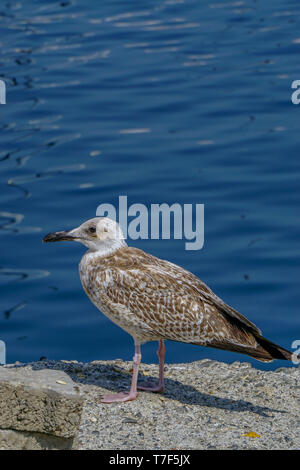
{"points": [[99, 284], [91, 276]]}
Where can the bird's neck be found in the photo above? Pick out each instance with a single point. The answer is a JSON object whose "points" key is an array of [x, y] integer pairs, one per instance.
{"points": [[107, 248]]}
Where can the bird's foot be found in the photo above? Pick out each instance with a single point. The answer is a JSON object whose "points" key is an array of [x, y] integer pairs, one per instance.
{"points": [[148, 387], [119, 397]]}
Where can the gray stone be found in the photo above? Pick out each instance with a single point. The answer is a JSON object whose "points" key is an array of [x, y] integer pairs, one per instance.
{"points": [[44, 401], [206, 405], [18, 440]]}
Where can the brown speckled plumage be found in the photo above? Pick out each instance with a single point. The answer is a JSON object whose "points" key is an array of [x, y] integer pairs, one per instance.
{"points": [[153, 299]]}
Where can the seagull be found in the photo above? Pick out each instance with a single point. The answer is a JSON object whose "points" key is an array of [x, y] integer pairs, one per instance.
{"points": [[155, 300]]}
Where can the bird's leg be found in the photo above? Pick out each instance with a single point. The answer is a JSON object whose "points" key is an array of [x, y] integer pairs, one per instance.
{"points": [[161, 383], [132, 394]]}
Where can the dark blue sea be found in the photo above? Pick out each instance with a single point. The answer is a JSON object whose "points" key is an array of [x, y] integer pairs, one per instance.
{"points": [[163, 101]]}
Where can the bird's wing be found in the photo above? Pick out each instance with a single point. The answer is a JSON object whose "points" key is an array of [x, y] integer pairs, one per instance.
{"points": [[151, 301], [170, 300], [206, 294]]}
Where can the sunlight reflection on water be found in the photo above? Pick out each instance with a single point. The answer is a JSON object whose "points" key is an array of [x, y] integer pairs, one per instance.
{"points": [[177, 102]]}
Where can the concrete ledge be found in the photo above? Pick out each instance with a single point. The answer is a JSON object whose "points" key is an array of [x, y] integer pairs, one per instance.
{"points": [[43, 401], [206, 405], [22, 440]]}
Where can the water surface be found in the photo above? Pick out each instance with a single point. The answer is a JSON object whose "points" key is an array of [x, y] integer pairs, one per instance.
{"points": [[163, 101]]}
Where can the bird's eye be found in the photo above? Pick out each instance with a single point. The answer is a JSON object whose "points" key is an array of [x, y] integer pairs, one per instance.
{"points": [[92, 229]]}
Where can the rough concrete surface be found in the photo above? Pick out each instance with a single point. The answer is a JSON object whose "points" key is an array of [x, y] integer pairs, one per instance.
{"points": [[206, 405], [45, 401], [22, 440]]}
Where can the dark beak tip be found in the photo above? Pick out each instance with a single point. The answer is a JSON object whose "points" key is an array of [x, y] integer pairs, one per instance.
{"points": [[50, 237], [57, 237]]}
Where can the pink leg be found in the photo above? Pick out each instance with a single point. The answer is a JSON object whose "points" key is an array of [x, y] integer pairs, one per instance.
{"points": [[161, 383], [132, 394]]}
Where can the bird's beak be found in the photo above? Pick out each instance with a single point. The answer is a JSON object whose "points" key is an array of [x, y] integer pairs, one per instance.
{"points": [[59, 236]]}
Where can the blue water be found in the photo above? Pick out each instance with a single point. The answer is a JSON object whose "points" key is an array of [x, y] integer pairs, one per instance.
{"points": [[162, 101]]}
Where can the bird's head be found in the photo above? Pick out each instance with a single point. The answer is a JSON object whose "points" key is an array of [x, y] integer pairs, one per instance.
{"points": [[98, 234]]}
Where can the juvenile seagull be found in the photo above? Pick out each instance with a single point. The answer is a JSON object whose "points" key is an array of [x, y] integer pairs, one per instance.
{"points": [[153, 300]]}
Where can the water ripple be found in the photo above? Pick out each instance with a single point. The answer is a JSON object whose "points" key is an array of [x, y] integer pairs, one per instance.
{"points": [[6, 274], [179, 101]]}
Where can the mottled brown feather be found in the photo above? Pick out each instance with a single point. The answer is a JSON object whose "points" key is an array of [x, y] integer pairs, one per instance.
{"points": [[154, 299]]}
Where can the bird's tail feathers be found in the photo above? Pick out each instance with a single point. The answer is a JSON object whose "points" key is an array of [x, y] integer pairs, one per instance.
{"points": [[264, 351], [275, 351]]}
